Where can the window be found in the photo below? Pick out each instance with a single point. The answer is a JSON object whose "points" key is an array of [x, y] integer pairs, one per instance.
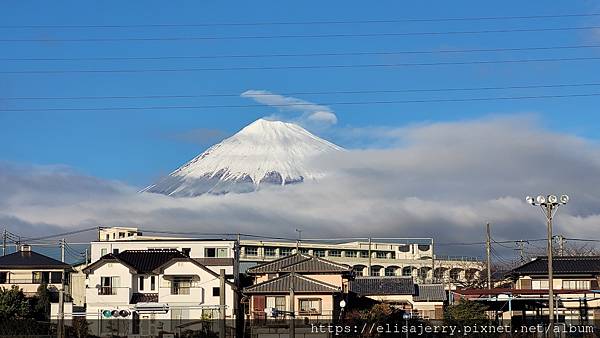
{"points": [[216, 292], [186, 251], [364, 254], [181, 286], [4, 277], [121, 235], [381, 254], [376, 270], [310, 306], [115, 251], [335, 253], [270, 252], [319, 253], [304, 251], [104, 251], [576, 284], [539, 284], [251, 251], [407, 271], [215, 252], [285, 252], [56, 277], [40, 277], [107, 237], [277, 302], [153, 283], [350, 253], [108, 285], [391, 271], [141, 283], [359, 270]]}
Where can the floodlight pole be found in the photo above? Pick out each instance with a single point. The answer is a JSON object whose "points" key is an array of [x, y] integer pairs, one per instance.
{"points": [[549, 208]]}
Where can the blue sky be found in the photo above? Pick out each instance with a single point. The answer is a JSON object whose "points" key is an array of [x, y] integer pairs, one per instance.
{"points": [[139, 146]]}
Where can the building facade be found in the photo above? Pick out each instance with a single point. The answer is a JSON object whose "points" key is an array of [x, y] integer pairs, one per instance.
{"points": [[155, 290]]}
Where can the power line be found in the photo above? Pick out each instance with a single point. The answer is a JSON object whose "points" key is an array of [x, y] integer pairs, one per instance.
{"points": [[224, 56], [472, 99], [60, 234], [305, 36], [313, 22], [385, 91], [338, 66]]}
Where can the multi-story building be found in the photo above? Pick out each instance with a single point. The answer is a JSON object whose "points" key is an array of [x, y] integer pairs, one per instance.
{"points": [[162, 289], [384, 259]]}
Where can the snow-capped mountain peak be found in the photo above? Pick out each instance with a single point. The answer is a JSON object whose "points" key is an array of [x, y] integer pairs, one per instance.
{"points": [[263, 152]]}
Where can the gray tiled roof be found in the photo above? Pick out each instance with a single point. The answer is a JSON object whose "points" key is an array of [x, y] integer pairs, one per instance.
{"points": [[429, 292], [368, 286], [300, 284], [300, 263], [561, 265], [29, 260]]}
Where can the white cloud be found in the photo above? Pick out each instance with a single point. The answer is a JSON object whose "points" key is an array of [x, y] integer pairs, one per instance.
{"points": [[445, 181], [311, 114]]}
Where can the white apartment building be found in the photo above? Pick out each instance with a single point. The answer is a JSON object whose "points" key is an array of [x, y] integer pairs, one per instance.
{"points": [[383, 258], [152, 291]]}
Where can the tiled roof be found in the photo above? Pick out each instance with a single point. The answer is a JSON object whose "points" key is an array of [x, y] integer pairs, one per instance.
{"points": [[568, 265], [142, 261], [300, 284], [30, 259], [301, 263], [368, 286], [215, 261], [429, 292], [137, 297]]}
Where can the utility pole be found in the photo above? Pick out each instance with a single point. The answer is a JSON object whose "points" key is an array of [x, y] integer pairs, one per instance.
{"points": [[62, 250], [87, 255], [432, 263], [488, 249], [222, 303], [370, 258], [236, 295], [292, 313], [4, 235], [298, 241]]}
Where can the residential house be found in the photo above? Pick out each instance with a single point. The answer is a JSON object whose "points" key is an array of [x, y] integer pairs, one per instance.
{"points": [[313, 285], [575, 286], [421, 300], [160, 288], [28, 270]]}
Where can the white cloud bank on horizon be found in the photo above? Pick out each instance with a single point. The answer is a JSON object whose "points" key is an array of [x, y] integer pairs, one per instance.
{"points": [[313, 115], [445, 181]]}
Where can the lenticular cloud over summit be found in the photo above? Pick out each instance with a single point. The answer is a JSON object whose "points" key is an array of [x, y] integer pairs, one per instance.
{"points": [[263, 153]]}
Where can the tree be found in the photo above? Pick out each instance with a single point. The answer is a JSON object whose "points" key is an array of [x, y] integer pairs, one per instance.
{"points": [[80, 327], [42, 306], [13, 304], [466, 313]]}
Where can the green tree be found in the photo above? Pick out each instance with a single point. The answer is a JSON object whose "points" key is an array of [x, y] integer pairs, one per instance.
{"points": [[80, 327], [42, 306], [465, 313], [13, 304]]}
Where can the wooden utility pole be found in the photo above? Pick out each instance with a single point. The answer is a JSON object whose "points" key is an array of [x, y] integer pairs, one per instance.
{"points": [[370, 258], [488, 249], [432, 263], [222, 303], [237, 306], [549, 209], [561, 245]]}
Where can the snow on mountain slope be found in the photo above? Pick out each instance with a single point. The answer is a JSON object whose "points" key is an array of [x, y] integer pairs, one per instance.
{"points": [[264, 152]]}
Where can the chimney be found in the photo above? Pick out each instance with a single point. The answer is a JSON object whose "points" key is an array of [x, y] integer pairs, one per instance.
{"points": [[25, 248]]}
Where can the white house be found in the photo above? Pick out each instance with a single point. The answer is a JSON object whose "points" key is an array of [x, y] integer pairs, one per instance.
{"points": [[152, 291]]}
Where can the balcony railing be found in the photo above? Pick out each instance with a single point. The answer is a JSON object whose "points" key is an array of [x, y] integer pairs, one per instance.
{"points": [[107, 291], [30, 281]]}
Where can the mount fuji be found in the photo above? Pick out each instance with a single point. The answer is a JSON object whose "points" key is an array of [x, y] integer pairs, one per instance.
{"points": [[264, 153]]}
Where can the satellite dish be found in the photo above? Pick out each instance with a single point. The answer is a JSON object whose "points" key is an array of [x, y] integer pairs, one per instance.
{"points": [[106, 313], [124, 313]]}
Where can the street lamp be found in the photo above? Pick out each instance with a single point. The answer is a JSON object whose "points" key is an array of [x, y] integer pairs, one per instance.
{"points": [[549, 205]]}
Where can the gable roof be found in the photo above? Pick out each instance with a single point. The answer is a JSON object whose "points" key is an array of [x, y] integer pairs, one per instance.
{"points": [[568, 265], [300, 263], [371, 286], [141, 261], [300, 284], [30, 260], [429, 293]]}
